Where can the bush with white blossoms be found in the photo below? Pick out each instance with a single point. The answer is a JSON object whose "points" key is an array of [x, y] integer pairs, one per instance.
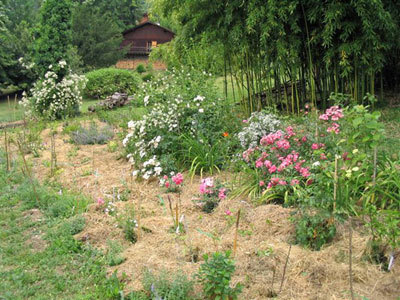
{"points": [[259, 124], [54, 97], [185, 83], [153, 144]]}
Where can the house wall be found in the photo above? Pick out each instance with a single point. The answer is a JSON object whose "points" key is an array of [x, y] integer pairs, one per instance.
{"points": [[148, 33]]}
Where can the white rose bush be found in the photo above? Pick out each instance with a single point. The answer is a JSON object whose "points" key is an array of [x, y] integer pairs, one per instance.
{"points": [[55, 97]]}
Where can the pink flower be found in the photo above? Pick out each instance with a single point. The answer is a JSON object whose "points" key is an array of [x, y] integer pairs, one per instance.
{"points": [[334, 128], [309, 181], [304, 139], [228, 212], [165, 177], [304, 172], [283, 144], [100, 201], [177, 179], [259, 163], [167, 184], [221, 193], [261, 183], [323, 156], [267, 164], [294, 182], [245, 121], [272, 169], [282, 182], [314, 146], [324, 117]]}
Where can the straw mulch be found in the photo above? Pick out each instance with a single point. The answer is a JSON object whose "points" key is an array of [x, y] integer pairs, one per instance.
{"points": [[309, 275]]}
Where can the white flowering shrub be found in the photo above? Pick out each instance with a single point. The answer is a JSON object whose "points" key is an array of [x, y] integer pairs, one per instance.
{"points": [[154, 143], [258, 125], [54, 97], [183, 83]]}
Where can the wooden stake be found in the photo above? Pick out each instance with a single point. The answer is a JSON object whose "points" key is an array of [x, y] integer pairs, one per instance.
{"points": [[139, 215], [7, 150], [176, 215], [236, 233], [28, 172], [375, 167], [335, 179], [351, 260], [284, 269]]}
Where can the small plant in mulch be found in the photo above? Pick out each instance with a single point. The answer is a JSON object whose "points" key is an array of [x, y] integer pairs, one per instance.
{"points": [[211, 193], [314, 231], [92, 135], [215, 274], [127, 221]]}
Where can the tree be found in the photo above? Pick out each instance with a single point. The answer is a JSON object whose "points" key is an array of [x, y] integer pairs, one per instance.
{"points": [[54, 35], [96, 36], [5, 58]]}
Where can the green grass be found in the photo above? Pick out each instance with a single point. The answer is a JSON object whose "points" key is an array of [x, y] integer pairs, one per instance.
{"points": [[10, 112], [39, 257], [391, 119]]}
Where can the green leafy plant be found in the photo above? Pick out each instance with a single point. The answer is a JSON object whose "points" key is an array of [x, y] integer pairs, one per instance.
{"points": [[113, 256], [140, 68], [129, 224], [314, 231], [105, 82], [167, 286], [215, 274], [92, 135]]}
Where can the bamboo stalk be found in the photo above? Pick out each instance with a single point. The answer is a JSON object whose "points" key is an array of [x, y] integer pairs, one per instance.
{"points": [[335, 182], [284, 268], [351, 261], [236, 233]]}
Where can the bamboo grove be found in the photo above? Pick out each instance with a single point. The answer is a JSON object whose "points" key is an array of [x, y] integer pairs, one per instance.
{"points": [[289, 53]]}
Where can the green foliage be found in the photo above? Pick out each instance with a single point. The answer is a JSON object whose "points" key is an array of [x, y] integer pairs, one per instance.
{"points": [[105, 82], [92, 135], [129, 224], [140, 68], [314, 231], [147, 77], [114, 250], [96, 36], [215, 274], [54, 39], [167, 286]]}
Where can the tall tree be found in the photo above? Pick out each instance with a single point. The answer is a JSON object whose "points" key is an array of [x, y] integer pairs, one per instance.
{"points": [[54, 35], [96, 36]]}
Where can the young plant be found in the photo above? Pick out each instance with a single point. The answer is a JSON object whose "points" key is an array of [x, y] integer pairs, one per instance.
{"points": [[212, 192], [215, 275], [314, 231], [92, 135], [129, 225]]}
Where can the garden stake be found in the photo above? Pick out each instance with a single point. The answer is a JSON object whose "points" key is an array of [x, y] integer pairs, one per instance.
{"points": [[28, 173], [170, 208], [236, 233], [6, 148], [375, 163], [139, 214], [351, 261], [53, 155], [284, 269], [335, 179], [177, 216]]}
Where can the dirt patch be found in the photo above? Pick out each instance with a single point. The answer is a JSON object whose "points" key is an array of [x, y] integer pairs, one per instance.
{"points": [[263, 243], [34, 214]]}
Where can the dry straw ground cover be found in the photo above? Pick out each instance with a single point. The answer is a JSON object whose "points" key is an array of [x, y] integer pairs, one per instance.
{"points": [[265, 233]]}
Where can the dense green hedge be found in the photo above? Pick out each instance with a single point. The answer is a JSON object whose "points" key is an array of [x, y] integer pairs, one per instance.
{"points": [[105, 82]]}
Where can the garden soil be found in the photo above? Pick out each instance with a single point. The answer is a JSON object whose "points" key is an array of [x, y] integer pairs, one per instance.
{"points": [[265, 233]]}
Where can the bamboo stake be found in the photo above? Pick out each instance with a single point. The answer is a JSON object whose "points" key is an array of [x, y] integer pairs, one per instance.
{"points": [[7, 150], [177, 216], [335, 182], [351, 261], [139, 215], [236, 233], [284, 269], [28, 172]]}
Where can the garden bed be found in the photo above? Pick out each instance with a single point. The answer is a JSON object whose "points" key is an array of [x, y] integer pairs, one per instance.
{"points": [[265, 233]]}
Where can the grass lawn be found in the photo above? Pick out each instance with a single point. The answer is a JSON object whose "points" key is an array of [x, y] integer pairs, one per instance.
{"points": [[10, 111]]}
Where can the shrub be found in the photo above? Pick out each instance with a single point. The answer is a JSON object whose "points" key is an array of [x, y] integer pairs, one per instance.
{"points": [[167, 286], [54, 97], [212, 192], [140, 68], [215, 275], [105, 82], [147, 77], [258, 125], [314, 231], [92, 135]]}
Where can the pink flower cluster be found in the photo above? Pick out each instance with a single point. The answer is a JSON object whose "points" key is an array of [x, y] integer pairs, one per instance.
{"points": [[277, 160], [176, 179], [333, 113], [207, 187]]}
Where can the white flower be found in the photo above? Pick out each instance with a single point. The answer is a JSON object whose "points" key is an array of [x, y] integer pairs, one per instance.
{"points": [[201, 110]]}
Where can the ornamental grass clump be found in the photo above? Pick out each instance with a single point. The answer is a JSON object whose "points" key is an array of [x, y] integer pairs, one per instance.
{"points": [[55, 97], [92, 135]]}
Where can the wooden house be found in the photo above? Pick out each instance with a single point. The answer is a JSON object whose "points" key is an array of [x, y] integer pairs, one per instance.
{"points": [[140, 39]]}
